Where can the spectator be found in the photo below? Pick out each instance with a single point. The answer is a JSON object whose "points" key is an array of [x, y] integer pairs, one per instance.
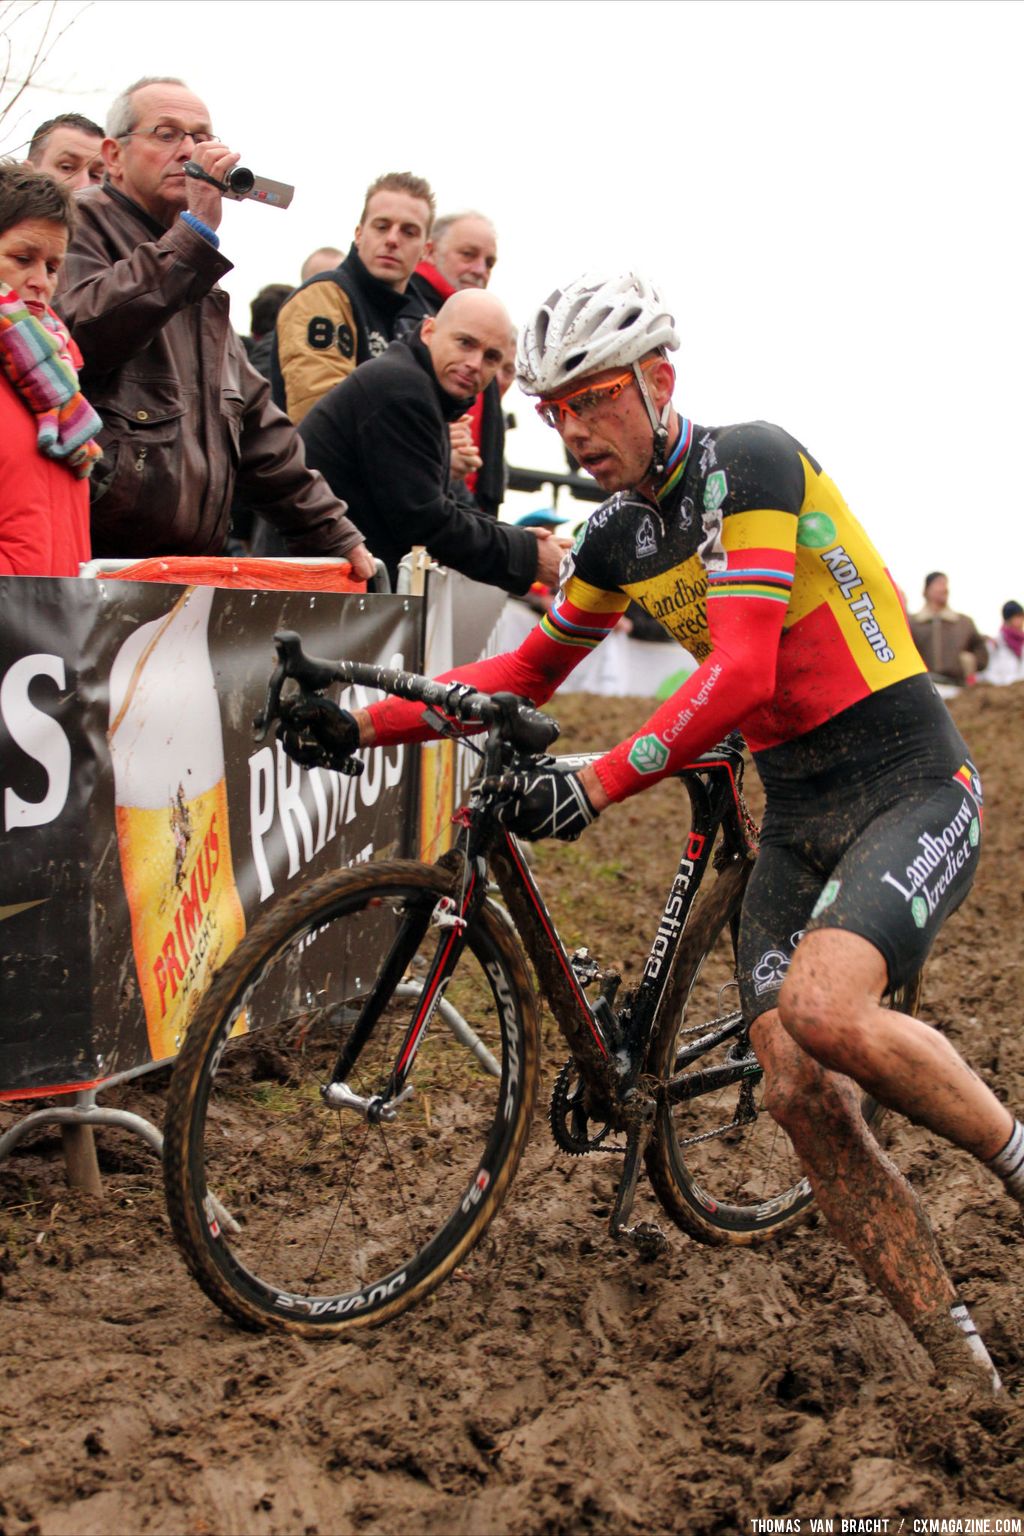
{"points": [[263, 312], [186, 416], [381, 440], [68, 149], [461, 254], [46, 427], [1006, 651], [324, 259], [344, 317], [949, 644]]}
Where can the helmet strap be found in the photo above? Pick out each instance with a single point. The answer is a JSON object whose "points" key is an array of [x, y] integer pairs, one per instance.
{"points": [[659, 424]]}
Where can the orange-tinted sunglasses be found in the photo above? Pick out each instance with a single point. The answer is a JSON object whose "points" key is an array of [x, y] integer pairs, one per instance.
{"points": [[582, 401]]}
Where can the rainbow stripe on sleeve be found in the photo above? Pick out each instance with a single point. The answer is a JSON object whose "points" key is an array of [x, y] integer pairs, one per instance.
{"points": [[760, 573], [582, 615]]}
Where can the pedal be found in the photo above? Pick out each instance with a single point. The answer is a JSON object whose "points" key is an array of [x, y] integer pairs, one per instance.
{"points": [[647, 1238]]}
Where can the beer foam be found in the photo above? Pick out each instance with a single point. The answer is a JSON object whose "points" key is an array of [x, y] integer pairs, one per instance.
{"points": [[165, 730]]}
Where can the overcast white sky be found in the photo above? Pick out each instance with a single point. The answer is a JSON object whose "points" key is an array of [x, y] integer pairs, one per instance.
{"points": [[828, 193]]}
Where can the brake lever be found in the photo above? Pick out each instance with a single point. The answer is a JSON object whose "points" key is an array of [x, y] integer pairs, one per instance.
{"points": [[270, 710]]}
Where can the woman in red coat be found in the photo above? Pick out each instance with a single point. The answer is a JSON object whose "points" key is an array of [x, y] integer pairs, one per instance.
{"points": [[46, 425]]}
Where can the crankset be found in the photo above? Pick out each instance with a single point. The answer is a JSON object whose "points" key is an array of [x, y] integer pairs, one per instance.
{"points": [[571, 1126]]}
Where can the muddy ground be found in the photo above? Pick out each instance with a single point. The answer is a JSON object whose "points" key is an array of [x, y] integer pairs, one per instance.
{"points": [[557, 1384]]}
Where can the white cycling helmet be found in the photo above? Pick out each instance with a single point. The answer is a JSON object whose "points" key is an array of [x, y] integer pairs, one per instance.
{"points": [[592, 323]]}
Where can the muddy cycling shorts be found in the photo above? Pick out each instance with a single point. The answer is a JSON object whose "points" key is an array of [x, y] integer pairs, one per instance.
{"points": [[890, 870]]}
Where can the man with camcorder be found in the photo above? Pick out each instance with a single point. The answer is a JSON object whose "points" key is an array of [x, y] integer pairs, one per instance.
{"points": [[186, 417]]}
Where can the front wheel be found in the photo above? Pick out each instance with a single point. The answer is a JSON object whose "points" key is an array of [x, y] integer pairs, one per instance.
{"points": [[317, 1219]]}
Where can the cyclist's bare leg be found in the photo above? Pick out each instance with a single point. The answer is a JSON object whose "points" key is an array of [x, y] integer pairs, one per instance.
{"points": [[868, 1204], [831, 1006]]}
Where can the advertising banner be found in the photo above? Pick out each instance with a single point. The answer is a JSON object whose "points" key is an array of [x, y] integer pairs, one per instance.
{"points": [[143, 829], [461, 625]]}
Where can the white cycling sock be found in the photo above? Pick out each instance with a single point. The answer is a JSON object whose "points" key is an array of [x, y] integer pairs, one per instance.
{"points": [[964, 1321], [1009, 1163]]}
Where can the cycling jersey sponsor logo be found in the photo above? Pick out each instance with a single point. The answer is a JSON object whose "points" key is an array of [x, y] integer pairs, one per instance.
{"points": [[770, 971], [711, 551], [861, 604], [829, 892], [686, 511], [941, 859], [684, 594], [646, 540], [708, 454], [648, 754], [716, 489], [815, 530], [697, 701]]}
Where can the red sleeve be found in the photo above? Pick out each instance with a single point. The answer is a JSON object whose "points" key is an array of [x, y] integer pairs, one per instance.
{"points": [[748, 592]]}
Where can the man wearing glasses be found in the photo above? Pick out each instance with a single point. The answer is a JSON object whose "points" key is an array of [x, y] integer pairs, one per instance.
{"points": [[740, 545], [185, 415]]}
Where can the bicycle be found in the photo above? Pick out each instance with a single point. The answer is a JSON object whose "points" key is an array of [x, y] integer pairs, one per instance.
{"points": [[355, 1091]]}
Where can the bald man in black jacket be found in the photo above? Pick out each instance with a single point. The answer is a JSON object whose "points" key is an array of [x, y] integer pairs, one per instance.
{"points": [[380, 439]]}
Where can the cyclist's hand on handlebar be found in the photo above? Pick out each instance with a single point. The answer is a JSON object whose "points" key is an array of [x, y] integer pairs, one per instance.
{"points": [[540, 802], [317, 733]]}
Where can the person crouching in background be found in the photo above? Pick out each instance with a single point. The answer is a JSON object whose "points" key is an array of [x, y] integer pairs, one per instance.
{"points": [[46, 425]]}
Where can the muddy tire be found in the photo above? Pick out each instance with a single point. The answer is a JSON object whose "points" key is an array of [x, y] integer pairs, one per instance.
{"points": [[315, 1220]]}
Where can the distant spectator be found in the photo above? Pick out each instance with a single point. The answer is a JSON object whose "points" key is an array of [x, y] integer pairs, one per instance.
{"points": [[46, 427], [68, 149], [380, 439], [950, 645], [345, 316], [186, 416], [324, 259], [1006, 651], [462, 253], [263, 312]]}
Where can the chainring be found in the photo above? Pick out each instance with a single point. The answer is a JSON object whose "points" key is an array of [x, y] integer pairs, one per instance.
{"points": [[570, 1123]]}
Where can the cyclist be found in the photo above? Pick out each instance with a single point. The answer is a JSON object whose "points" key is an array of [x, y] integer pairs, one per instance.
{"points": [[736, 540]]}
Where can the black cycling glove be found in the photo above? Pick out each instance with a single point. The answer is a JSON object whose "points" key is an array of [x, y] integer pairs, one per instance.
{"points": [[540, 803], [317, 733]]}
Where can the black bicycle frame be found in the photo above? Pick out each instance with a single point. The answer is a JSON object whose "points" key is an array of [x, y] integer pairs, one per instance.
{"points": [[609, 1048]]}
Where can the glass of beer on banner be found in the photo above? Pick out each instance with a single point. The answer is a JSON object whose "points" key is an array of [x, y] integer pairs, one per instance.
{"points": [[167, 748]]}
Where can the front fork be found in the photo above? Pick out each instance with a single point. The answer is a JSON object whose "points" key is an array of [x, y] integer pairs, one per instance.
{"points": [[452, 916]]}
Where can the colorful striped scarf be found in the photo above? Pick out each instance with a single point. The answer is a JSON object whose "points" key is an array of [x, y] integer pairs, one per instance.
{"points": [[35, 357]]}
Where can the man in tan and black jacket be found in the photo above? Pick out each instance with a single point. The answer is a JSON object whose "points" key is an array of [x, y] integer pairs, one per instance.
{"points": [[185, 415], [342, 318]]}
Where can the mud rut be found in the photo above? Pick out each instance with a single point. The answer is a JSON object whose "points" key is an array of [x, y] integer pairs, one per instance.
{"points": [[555, 1384]]}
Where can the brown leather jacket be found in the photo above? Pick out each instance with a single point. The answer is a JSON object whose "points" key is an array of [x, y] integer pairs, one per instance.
{"points": [[185, 415]]}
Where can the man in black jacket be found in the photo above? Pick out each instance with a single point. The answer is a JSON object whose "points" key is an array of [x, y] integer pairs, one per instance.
{"points": [[380, 439]]}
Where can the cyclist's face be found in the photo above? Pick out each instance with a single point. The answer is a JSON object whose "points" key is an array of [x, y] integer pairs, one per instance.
{"points": [[612, 436]]}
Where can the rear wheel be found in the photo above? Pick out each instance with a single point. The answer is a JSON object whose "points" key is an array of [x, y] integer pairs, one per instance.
{"points": [[720, 1165], [314, 1219]]}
